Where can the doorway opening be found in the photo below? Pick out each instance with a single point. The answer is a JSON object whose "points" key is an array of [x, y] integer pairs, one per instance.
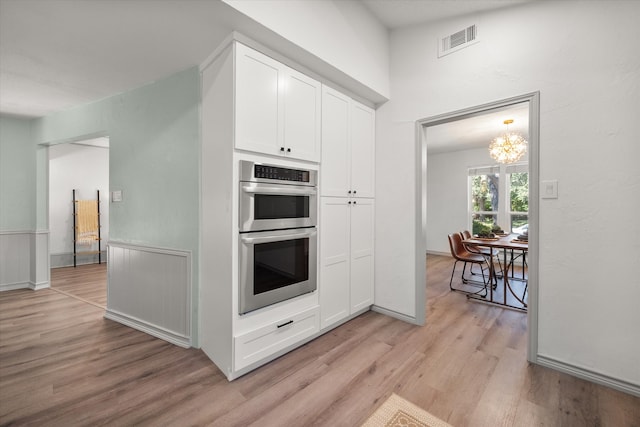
{"points": [[429, 139], [78, 210]]}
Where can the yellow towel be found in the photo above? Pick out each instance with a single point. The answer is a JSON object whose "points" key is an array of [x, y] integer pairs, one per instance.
{"points": [[86, 221]]}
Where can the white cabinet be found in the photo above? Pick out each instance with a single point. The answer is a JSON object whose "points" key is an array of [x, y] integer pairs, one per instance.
{"points": [[347, 207], [277, 109], [346, 257], [348, 146], [335, 218], [363, 124], [361, 254], [263, 342]]}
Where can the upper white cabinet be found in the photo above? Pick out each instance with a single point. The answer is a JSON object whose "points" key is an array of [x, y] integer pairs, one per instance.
{"points": [[277, 109], [348, 146], [363, 124]]}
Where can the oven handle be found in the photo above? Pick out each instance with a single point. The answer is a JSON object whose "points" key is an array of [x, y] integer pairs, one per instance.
{"points": [[280, 190], [269, 239]]}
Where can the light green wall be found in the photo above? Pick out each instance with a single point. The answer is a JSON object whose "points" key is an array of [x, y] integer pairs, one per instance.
{"points": [[154, 147], [154, 150], [17, 175]]}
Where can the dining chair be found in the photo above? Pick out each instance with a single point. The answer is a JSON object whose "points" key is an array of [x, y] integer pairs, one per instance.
{"points": [[466, 234], [461, 254]]}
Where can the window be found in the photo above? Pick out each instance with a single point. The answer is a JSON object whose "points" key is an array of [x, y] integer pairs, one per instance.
{"points": [[485, 198], [499, 198], [518, 197]]}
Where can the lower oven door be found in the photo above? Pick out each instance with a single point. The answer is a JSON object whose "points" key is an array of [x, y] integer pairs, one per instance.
{"points": [[276, 266]]}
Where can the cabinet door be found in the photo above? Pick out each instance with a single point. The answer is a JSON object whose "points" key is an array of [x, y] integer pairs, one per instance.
{"points": [[257, 103], [334, 179], [302, 109], [334, 260], [362, 215], [362, 150]]}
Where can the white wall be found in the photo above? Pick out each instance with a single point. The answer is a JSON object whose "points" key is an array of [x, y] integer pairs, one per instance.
{"points": [[343, 33], [85, 169], [587, 71], [447, 189]]}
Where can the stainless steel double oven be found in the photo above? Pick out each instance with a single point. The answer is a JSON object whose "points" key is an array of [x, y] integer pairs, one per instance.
{"points": [[278, 238]]}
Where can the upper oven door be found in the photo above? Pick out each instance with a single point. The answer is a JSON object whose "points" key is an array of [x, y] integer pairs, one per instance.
{"points": [[271, 206]]}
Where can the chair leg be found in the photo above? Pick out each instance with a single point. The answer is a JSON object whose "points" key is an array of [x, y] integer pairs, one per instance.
{"points": [[482, 285], [464, 267], [452, 273]]}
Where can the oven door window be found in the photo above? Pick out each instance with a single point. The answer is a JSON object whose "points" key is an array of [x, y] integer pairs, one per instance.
{"points": [[279, 264], [267, 206]]}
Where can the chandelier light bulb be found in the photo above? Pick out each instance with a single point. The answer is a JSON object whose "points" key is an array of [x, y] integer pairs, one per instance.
{"points": [[508, 148]]}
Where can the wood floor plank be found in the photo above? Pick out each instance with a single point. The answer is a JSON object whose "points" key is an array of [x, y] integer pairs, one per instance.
{"points": [[63, 363], [499, 405], [283, 390], [311, 401]]}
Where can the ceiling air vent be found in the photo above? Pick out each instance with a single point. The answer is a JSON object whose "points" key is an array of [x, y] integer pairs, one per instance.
{"points": [[458, 40]]}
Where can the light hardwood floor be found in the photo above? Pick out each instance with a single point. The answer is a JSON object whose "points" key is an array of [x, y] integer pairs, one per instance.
{"points": [[62, 363], [86, 282]]}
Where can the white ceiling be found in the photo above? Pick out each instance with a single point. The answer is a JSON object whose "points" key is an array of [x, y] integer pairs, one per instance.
{"points": [[403, 13], [57, 54], [477, 131]]}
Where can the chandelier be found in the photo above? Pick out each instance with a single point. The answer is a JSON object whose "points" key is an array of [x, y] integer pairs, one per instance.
{"points": [[509, 147]]}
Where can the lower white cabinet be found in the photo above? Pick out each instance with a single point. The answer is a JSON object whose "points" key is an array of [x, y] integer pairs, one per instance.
{"points": [[261, 343], [346, 257]]}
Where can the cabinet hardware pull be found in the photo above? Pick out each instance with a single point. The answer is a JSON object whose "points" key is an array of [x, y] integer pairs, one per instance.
{"points": [[281, 148], [349, 202], [285, 324], [354, 202], [354, 191], [288, 150], [349, 192]]}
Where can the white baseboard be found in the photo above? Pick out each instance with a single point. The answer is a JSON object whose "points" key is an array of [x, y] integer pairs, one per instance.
{"points": [[395, 314], [585, 374], [148, 328], [39, 285], [429, 252], [14, 286], [24, 285]]}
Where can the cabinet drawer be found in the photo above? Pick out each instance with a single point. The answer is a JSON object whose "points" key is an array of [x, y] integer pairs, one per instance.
{"points": [[260, 343]]}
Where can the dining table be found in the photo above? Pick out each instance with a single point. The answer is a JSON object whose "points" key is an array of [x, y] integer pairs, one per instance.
{"points": [[510, 245]]}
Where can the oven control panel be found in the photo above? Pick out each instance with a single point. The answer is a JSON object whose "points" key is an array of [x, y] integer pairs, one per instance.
{"points": [[259, 172], [281, 174]]}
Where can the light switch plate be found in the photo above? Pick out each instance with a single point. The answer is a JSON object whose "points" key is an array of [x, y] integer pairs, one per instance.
{"points": [[549, 189], [116, 196]]}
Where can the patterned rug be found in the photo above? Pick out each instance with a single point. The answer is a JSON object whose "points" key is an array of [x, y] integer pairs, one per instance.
{"points": [[397, 412]]}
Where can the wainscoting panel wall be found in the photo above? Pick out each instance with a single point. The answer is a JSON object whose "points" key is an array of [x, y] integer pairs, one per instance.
{"points": [[15, 260], [40, 261], [150, 290], [24, 260]]}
